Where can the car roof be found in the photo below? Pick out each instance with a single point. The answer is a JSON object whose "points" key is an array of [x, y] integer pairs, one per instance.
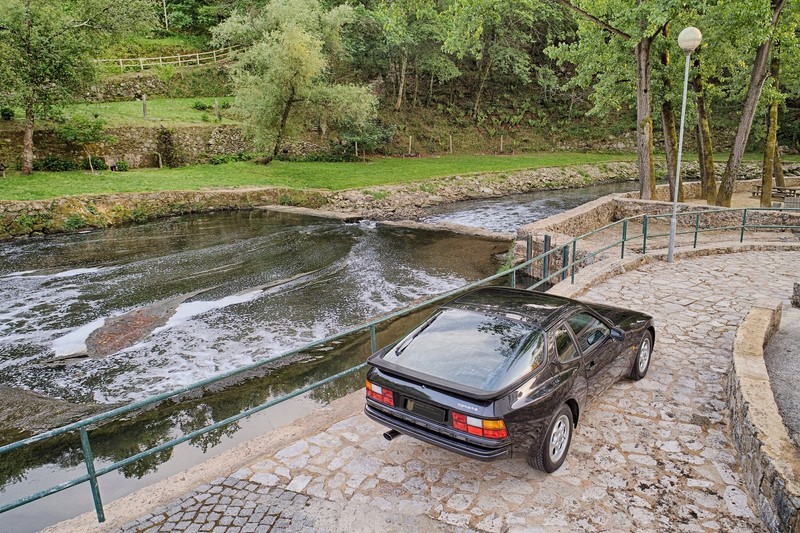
{"points": [[535, 308]]}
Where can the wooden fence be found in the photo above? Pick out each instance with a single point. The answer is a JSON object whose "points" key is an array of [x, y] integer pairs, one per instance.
{"points": [[180, 60]]}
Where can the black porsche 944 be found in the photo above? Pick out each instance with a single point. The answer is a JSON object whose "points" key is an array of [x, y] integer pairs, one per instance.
{"points": [[500, 371]]}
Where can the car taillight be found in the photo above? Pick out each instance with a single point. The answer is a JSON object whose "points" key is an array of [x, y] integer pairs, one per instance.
{"points": [[491, 429], [380, 394]]}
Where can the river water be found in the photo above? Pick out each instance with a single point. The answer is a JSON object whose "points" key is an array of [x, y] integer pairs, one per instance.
{"points": [[185, 298]]}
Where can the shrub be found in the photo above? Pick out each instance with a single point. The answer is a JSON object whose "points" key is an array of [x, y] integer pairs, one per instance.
{"points": [[204, 117], [75, 222], [200, 106], [122, 166], [52, 163], [225, 105], [221, 159], [98, 163], [6, 113]]}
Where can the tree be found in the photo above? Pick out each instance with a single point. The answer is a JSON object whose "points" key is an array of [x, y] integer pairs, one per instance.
{"points": [[498, 35], [611, 27], [46, 49], [84, 131], [283, 77], [758, 77]]}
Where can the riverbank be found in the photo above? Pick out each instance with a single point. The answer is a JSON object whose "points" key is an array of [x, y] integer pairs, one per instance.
{"points": [[387, 202]]}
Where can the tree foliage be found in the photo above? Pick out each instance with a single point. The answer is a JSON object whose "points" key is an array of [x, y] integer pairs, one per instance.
{"points": [[283, 79], [46, 50]]}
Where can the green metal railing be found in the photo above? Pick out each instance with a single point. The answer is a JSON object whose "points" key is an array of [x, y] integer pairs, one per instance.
{"points": [[566, 254]]}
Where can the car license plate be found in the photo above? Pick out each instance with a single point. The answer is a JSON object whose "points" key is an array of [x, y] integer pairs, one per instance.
{"points": [[428, 411]]}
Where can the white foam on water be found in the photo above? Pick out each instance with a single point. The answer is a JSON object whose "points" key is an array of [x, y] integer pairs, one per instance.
{"points": [[75, 341], [18, 274], [186, 311], [77, 272]]}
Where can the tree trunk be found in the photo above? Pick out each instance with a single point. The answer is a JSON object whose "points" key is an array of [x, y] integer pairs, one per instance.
{"points": [[771, 143], [27, 142], [644, 122], [780, 181], [284, 118], [706, 147], [484, 77], [416, 84], [668, 125], [430, 92], [89, 159], [757, 79], [401, 86]]}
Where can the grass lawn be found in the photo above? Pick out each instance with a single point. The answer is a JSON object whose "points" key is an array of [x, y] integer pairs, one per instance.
{"points": [[333, 176], [170, 111]]}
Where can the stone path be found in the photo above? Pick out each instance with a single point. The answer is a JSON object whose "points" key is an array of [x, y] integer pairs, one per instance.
{"points": [[650, 456]]}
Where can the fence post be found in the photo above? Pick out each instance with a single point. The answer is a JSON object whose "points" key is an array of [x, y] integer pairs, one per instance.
{"points": [[451, 144], [624, 237], [120, 64], [215, 55], [528, 250], [197, 57], [373, 338], [89, 460], [564, 261], [144, 105], [546, 263], [141, 64], [644, 235], [744, 224], [696, 229], [574, 258]]}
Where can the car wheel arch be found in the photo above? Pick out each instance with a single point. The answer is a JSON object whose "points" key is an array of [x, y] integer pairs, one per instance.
{"points": [[573, 406]]}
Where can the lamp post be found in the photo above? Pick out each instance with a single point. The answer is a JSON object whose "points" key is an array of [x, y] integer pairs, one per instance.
{"points": [[689, 39]]}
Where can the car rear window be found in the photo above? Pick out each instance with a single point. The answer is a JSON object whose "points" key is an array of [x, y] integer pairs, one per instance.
{"points": [[470, 350]]}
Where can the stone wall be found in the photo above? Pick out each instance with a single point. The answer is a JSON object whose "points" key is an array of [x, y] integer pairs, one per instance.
{"points": [[184, 82], [138, 146], [770, 461], [97, 211]]}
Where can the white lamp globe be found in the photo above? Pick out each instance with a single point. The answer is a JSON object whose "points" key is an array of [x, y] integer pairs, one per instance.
{"points": [[689, 39]]}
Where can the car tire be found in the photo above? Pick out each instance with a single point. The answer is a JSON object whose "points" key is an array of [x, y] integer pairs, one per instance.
{"points": [[643, 356], [551, 453]]}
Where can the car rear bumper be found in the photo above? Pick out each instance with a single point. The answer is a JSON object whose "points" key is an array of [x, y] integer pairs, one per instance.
{"points": [[464, 448]]}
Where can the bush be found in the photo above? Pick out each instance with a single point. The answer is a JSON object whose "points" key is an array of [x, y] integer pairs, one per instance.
{"points": [[321, 157], [52, 163], [200, 106], [98, 163], [121, 166], [6, 113], [221, 159]]}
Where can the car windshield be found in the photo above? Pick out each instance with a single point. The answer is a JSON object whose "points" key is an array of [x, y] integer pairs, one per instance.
{"points": [[467, 349]]}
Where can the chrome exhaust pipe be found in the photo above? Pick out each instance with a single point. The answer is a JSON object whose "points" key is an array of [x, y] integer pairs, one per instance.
{"points": [[392, 434]]}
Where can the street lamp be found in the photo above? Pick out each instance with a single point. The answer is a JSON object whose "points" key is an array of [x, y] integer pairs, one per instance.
{"points": [[689, 39]]}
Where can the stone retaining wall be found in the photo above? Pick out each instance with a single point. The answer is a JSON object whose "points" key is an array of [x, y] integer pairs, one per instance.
{"points": [[138, 146], [769, 458], [98, 211]]}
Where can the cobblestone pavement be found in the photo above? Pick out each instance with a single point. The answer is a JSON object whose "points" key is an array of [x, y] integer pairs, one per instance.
{"points": [[653, 455]]}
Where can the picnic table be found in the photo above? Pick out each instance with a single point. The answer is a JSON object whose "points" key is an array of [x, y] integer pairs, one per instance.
{"points": [[779, 192]]}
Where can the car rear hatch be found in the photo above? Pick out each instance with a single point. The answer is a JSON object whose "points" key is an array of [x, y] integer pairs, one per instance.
{"points": [[454, 422]]}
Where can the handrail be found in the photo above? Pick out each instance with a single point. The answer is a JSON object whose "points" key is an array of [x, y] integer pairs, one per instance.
{"points": [[569, 266], [193, 58]]}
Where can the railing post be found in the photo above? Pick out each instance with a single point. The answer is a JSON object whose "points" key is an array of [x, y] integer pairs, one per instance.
{"points": [[744, 224], [528, 250], [574, 258], [89, 460], [564, 261], [624, 237], [644, 235], [546, 263], [513, 274], [696, 228], [373, 338]]}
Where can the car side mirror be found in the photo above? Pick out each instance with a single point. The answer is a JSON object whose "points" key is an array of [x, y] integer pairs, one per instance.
{"points": [[617, 334]]}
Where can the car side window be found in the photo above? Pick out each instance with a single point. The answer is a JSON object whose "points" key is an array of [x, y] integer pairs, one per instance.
{"points": [[589, 331], [565, 347]]}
